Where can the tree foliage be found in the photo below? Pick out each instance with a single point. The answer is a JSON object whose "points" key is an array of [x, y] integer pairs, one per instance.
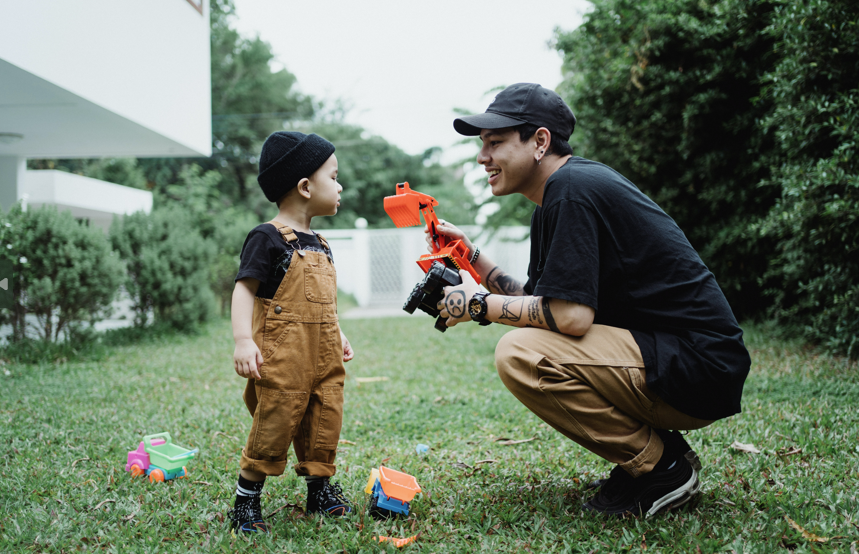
{"points": [[669, 94], [815, 90]]}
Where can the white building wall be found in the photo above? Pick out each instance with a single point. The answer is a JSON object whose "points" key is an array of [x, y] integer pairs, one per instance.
{"points": [[148, 62]]}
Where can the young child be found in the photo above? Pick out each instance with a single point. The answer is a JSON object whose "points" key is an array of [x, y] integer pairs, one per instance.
{"points": [[288, 340]]}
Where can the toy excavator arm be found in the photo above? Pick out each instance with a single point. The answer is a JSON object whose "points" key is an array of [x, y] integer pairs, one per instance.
{"points": [[403, 209]]}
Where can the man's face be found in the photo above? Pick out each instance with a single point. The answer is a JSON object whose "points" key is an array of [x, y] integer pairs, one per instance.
{"points": [[508, 161]]}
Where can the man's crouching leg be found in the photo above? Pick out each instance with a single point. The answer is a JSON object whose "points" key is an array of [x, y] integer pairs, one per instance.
{"points": [[592, 390]]}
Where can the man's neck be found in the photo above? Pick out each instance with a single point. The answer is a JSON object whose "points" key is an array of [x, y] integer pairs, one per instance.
{"points": [[549, 165]]}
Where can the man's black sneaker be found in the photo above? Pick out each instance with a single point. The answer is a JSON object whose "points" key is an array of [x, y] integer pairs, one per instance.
{"points": [[675, 442], [327, 499], [247, 517], [661, 489]]}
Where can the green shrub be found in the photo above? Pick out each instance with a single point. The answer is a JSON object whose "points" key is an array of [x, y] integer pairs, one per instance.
{"points": [[229, 235], [167, 264], [816, 220], [64, 272]]}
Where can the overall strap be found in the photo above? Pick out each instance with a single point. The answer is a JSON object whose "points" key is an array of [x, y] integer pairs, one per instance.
{"points": [[285, 231], [323, 242]]}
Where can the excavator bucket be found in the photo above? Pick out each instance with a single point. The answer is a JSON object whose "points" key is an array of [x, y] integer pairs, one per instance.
{"points": [[404, 210]]}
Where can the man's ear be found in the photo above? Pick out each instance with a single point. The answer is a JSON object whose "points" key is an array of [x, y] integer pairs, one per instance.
{"points": [[542, 139], [304, 188]]}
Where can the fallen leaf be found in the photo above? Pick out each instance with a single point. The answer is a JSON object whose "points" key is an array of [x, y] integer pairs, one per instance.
{"points": [[810, 536], [484, 462], [509, 442], [102, 503], [742, 447], [460, 465], [80, 460], [344, 441], [370, 379], [789, 452], [201, 483], [224, 435], [295, 508]]}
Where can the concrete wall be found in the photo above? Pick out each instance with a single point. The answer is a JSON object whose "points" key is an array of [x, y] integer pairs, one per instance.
{"points": [[147, 62], [91, 199]]}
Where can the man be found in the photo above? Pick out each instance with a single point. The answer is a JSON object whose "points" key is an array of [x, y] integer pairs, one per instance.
{"points": [[625, 336]]}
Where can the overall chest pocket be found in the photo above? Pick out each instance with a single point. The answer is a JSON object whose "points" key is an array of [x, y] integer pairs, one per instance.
{"points": [[320, 284]]}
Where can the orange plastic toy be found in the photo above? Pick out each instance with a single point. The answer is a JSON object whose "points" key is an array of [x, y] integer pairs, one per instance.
{"points": [[392, 492], [441, 267], [404, 207], [398, 542]]}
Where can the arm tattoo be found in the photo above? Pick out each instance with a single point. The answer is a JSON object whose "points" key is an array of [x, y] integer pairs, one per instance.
{"points": [[512, 309], [547, 313], [455, 304], [503, 283], [534, 311]]}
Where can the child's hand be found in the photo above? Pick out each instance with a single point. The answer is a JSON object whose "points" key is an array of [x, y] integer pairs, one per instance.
{"points": [[348, 353], [247, 358]]}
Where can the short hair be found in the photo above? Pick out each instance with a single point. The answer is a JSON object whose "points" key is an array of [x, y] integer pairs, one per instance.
{"points": [[557, 145]]}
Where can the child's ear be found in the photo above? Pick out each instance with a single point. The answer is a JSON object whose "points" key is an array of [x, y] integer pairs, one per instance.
{"points": [[304, 187]]}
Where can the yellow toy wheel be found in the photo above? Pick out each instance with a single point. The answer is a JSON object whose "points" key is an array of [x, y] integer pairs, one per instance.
{"points": [[156, 476], [136, 471]]}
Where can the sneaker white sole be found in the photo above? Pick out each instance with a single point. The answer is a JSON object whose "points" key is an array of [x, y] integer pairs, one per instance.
{"points": [[677, 497]]}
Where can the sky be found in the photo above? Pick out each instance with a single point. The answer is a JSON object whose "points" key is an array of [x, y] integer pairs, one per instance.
{"points": [[402, 67]]}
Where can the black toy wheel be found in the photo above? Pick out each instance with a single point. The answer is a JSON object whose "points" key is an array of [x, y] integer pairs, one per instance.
{"points": [[379, 513]]}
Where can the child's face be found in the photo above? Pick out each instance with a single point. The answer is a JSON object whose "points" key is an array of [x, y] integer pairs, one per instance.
{"points": [[324, 188]]}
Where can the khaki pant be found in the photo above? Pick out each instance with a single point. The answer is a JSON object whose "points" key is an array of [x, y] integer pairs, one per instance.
{"points": [[592, 389], [299, 398]]}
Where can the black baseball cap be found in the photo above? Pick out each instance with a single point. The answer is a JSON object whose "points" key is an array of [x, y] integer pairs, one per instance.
{"points": [[518, 104]]}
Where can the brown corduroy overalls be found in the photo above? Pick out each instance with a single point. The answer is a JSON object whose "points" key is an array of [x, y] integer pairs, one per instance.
{"points": [[299, 397]]}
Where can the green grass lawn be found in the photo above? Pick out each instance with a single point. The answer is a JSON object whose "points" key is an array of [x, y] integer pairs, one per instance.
{"points": [[65, 430]]}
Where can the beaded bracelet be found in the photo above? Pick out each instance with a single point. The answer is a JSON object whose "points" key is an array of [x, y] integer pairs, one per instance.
{"points": [[474, 255]]}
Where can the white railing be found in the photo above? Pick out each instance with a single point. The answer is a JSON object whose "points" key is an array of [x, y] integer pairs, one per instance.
{"points": [[378, 266]]}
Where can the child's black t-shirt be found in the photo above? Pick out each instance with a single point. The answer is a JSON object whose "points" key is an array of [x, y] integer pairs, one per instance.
{"points": [[266, 256]]}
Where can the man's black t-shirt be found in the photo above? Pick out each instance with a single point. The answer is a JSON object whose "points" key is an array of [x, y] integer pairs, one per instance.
{"points": [[598, 240], [266, 256]]}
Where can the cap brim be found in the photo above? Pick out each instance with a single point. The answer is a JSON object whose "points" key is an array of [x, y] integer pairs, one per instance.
{"points": [[471, 125]]}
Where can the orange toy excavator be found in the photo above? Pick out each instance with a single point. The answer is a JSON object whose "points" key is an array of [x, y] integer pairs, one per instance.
{"points": [[447, 258]]}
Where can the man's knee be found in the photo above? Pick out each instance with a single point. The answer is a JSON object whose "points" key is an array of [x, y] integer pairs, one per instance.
{"points": [[513, 357]]}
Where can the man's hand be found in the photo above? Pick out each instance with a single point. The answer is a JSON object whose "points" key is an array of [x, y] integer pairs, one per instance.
{"points": [[348, 353], [454, 305], [247, 359], [449, 230]]}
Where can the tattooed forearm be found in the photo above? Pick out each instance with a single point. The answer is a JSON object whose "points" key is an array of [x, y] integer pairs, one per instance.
{"points": [[547, 313], [534, 312], [511, 310], [501, 283]]}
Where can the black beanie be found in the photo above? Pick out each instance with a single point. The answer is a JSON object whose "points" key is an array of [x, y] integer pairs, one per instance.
{"points": [[287, 158]]}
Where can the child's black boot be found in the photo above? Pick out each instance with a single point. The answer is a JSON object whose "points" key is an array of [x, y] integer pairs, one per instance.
{"points": [[326, 498], [246, 515]]}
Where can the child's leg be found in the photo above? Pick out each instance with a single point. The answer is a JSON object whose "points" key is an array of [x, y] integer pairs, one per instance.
{"points": [[246, 515]]}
